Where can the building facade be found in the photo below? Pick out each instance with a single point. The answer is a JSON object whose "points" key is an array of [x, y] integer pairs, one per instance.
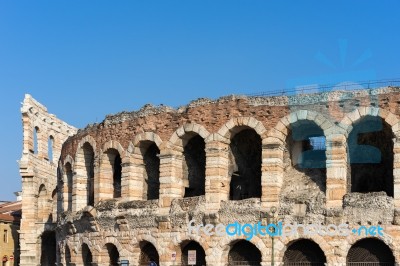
{"points": [[136, 186], [10, 215]]}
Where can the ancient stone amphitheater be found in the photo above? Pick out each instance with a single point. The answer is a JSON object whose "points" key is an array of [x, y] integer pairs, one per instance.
{"points": [[124, 190]]}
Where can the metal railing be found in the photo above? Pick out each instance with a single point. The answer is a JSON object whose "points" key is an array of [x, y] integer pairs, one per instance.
{"points": [[244, 263], [370, 264], [304, 264], [363, 85]]}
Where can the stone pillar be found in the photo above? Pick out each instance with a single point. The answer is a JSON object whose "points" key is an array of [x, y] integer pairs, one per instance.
{"points": [[336, 170], [272, 172], [80, 186], [132, 177], [28, 233], [103, 188], [171, 186], [217, 178], [396, 180]]}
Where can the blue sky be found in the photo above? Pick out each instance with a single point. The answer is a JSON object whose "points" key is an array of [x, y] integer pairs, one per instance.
{"points": [[86, 59]]}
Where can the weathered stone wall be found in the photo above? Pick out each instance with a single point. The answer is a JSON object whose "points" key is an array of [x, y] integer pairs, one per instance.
{"points": [[312, 195], [39, 176]]}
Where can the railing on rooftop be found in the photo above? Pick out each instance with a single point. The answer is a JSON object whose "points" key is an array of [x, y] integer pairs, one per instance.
{"points": [[364, 85]]}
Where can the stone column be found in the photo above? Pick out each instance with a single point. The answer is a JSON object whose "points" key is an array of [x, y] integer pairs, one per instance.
{"points": [[103, 188], [272, 172], [79, 187], [28, 234], [171, 186], [132, 177], [396, 180], [217, 178], [336, 170]]}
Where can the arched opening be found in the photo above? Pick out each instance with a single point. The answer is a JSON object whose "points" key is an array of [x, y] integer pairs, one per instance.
{"points": [[151, 161], [42, 209], [370, 147], [244, 253], [48, 249], [189, 247], [67, 255], [88, 155], [69, 175], [304, 166], [372, 251], [87, 258], [115, 162], [305, 252], [113, 254], [194, 166], [35, 140], [148, 253], [245, 165], [50, 144]]}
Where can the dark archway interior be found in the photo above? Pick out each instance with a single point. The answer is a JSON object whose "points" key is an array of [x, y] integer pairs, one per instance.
{"points": [[194, 166], [306, 145], [68, 171], [370, 148], [371, 250], [148, 253], [48, 256], [88, 154], [117, 175], [304, 251], [244, 253], [200, 254], [113, 254], [87, 258], [152, 170], [245, 165]]}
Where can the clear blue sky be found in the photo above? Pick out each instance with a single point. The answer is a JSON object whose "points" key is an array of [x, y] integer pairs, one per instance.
{"points": [[86, 59]]}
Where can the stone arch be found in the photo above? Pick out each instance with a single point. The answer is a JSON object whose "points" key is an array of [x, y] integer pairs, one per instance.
{"points": [[68, 176], [43, 204], [103, 255], [85, 171], [275, 150], [304, 250], [178, 137], [69, 159], [145, 150], [109, 182], [280, 131], [354, 121], [185, 142], [350, 118], [182, 249], [227, 243], [148, 252], [243, 137], [93, 249], [123, 249], [281, 246], [234, 125], [113, 144], [146, 136], [380, 247]]}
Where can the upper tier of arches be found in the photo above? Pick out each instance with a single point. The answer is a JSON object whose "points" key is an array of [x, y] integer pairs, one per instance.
{"points": [[242, 159]]}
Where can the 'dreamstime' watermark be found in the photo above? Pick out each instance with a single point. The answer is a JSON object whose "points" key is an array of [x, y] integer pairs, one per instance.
{"points": [[281, 230]]}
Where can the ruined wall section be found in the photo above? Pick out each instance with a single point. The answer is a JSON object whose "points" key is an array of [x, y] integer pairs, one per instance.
{"points": [[300, 196], [38, 169]]}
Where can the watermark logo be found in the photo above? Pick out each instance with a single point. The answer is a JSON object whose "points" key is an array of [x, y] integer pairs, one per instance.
{"points": [[281, 230]]}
